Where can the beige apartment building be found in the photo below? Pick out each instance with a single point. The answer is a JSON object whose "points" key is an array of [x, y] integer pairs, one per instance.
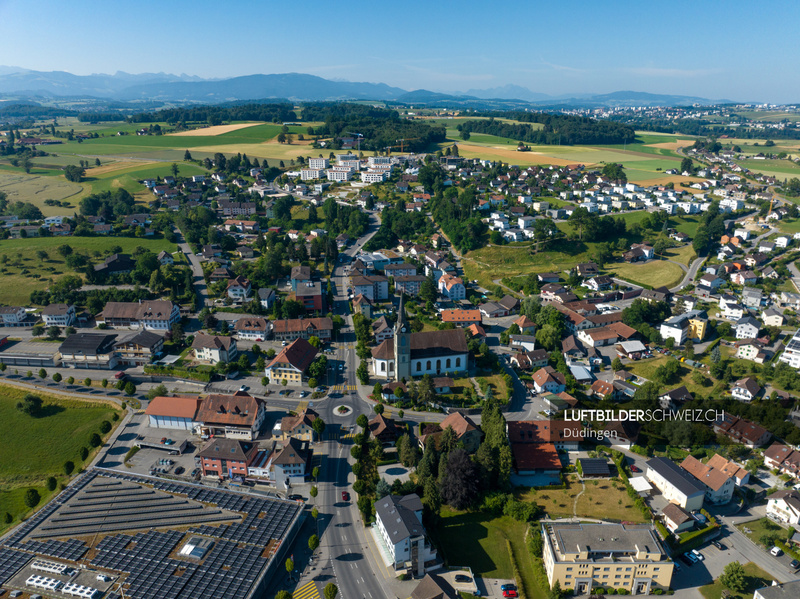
{"points": [[587, 556]]}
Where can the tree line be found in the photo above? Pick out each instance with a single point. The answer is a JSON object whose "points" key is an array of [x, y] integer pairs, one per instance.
{"points": [[558, 129], [216, 115]]}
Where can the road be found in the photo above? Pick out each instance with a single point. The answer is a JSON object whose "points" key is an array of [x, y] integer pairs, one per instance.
{"points": [[198, 277]]}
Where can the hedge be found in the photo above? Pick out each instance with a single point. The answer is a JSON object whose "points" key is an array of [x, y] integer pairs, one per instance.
{"points": [[185, 373], [695, 538], [521, 590]]}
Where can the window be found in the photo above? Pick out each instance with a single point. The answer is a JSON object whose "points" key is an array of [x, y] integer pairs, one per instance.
{"points": [[419, 366], [383, 366], [458, 362], [447, 364], [617, 576], [428, 365]]}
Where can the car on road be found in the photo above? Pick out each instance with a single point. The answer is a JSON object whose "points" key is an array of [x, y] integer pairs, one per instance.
{"points": [[345, 496], [794, 564], [776, 551], [718, 545], [510, 593], [635, 468], [243, 388], [462, 578], [295, 497]]}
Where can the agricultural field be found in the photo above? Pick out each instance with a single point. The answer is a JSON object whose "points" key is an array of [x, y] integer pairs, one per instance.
{"points": [[35, 189], [780, 169], [655, 273], [33, 448], [23, 271]]}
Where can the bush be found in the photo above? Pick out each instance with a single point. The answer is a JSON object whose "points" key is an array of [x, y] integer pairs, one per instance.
{"points": [[105, 427], [68, 467], [32, 498], [51, 483], [95, 440]]}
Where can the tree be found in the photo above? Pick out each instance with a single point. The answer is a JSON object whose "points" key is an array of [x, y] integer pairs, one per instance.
{"points": [[460, 484], [378, 408], [330, 591], [38, 329], [688, 348], [407, 451], [87, 382], [105, 427], [175, 170], [95, 440], [314, 513], [32, 498], [687, 166], [187, 156], [30, 404], [362, 373], [733, 577], [382, 489], [313, 542], [615, 171], [157, 391], [616, 364], [716, 354], [283, 595], [83, 453], [130, 389], [68, 467], [289, 565], [57, 377], [362, 421], [555, 592], [318, 426], [313, 491], [8, 518]]}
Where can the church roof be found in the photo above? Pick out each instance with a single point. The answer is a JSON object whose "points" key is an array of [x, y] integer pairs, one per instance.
{"points": [[385, 351], [431, 344]]}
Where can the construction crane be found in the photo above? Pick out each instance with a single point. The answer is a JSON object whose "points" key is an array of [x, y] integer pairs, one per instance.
{"points": [[402, 142], [358, 137]]}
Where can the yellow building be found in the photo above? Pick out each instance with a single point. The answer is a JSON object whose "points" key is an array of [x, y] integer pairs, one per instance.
{"points": [[291, 363], [587, 556], [697, 328]]}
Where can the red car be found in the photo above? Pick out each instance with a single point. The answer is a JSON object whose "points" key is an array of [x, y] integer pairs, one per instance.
{"points": [[510, 593], [345, 496], [635, 468]]}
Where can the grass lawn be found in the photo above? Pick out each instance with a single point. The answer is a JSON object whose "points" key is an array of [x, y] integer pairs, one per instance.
{"points": [[647, 368], [684, 254], [497, 383], [34, 448], [755, 578], [790, 225], [759, 528], [478, 540], [35, 189], [21, 253], [654, 273], [602, 499]]}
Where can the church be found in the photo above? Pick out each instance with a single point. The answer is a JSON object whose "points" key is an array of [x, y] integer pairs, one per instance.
{"points": [[411, 355]]}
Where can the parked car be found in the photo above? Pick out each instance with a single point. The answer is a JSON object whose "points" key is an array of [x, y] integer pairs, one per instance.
{"points": [[698, 555], [295, 498], [718, 545], [509, 586], [462, 578], [179, 470], [510, 593], [345, 496], [794, 564], [243, 388], [776, 551], [690, 556], [635, 468]]}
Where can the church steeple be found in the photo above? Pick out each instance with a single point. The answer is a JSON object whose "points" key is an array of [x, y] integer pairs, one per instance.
{"points": [[402, 344]]}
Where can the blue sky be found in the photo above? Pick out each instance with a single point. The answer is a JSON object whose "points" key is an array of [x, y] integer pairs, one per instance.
{"points": [[747, 51]]}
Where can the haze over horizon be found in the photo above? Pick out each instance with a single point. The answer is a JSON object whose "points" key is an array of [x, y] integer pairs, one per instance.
{"points": [[680, 47]]}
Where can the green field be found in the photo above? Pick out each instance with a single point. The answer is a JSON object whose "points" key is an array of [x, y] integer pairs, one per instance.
{"points": [[647, 368], [21, 255], [776, 168], [34, 448], [755, 578], [655, 273], [479, 541], [35, 189]]}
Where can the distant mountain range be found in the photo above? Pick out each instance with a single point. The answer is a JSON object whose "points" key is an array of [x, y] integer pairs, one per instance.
{"points": [[26, 84]]}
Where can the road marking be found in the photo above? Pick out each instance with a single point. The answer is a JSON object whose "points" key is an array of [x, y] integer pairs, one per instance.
{"points": [[344, 537], [307, 591]]}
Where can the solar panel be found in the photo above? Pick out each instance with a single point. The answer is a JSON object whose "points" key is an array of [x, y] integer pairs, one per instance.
{"points": [[594, 467]]}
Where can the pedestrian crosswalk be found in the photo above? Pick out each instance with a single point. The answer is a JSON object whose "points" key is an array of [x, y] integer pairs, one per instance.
{"points": [[301, 405], [307, 591], [341, 388]]}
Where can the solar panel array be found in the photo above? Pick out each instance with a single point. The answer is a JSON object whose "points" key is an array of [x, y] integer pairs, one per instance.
{"points": [[594, 467], [229, 570], [10, 562]]}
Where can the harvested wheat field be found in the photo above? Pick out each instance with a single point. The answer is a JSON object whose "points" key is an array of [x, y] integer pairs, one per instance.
{"points": [[212, 131], [672, 145], [115, 166]]}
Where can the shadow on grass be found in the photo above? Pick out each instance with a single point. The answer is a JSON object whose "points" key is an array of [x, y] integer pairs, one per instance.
{"points": [[48, 410], [461, 539]]}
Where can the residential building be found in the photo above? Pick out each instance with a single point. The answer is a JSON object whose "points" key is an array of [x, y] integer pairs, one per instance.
{"points": [[745, 389], [227, 458], [791, 355], [383, 429], [561, 434], [291, 363], [153, 315], [549, 380], [452, 287], [237, 416], [300, 426], [89, 350], [252, 328], [58, 315], [302, 328], [140, 348], [740, 476], [784, 506], [239, 289], [784, 458], [689, 325], [747, 327], [300, 275], [266, 297], [462, 318], [434, 586], [467, 432], [214, 349], [719, 484], [677, 485], [619, 556], [14, 316], [374, 288], [677, 519], [741, 431], [399, 524], [292, 464], [408, 284], [785, 590], [310, 295]]}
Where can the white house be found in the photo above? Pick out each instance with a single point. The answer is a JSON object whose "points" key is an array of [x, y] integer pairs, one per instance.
{"points": [[719, 485], [452, 287], [214, 349], [399, 524], [58, 315], [549, 380], [745, 389], [677, 485], [747, 327], [784, 506]]}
